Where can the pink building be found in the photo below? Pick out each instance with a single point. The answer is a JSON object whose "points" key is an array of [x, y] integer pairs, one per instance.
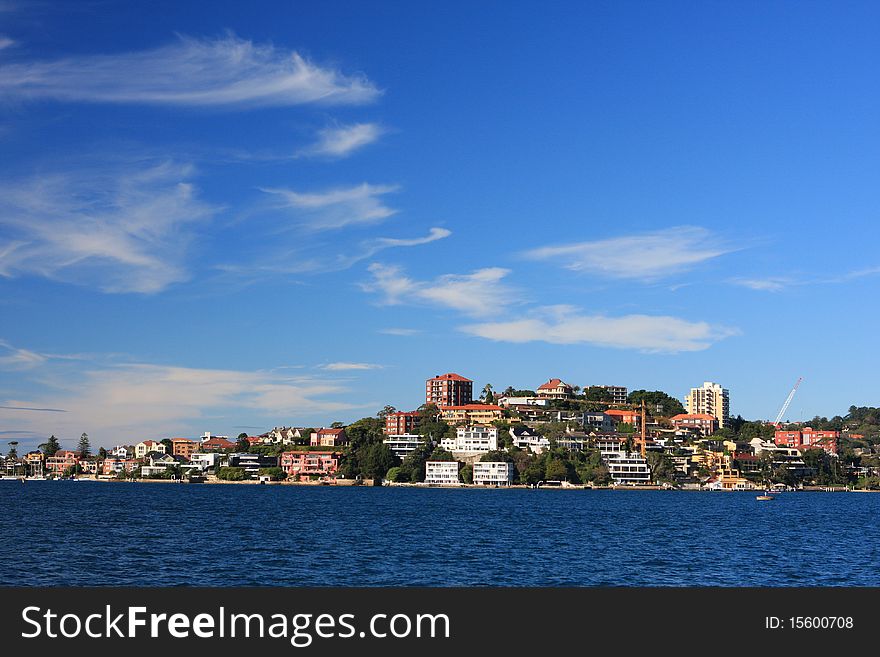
{"points": [[309, 463], [449, 390], [114, 466], [62, 460]]}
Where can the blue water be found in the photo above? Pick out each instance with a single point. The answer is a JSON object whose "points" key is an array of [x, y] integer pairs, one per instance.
{"points": [[78, 533]]}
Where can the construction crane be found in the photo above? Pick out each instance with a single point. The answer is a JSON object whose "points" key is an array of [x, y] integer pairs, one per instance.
{"points": [[787, 402]]}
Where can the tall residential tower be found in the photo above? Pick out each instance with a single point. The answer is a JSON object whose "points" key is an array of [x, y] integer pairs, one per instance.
{"points": [[712, 400]]}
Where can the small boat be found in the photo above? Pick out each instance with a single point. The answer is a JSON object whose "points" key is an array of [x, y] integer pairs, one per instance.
{"points": [[765, 497]]}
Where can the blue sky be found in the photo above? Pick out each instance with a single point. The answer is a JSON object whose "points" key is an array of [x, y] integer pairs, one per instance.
{"points": [[225, 217]]}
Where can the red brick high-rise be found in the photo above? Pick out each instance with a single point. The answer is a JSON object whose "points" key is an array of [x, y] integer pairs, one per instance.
{"points": [[449, 390]]}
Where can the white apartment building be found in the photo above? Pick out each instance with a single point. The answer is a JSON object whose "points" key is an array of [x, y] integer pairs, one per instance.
{"points": [[618, 393], [441, 473], [404, 444], [710, 399], [493, 473], [529, 439], [203, 461], [627, 468], [472, 439]]}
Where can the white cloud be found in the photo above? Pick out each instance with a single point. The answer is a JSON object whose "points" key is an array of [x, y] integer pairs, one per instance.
{"points": [[405, 332], [770, 284], [5, 42], [337, 208], [123, 229], [226, 71], [131, 402], [341, 141], [15, 358], [646, 256], [567, 325], [478, 293], [345, 367]]}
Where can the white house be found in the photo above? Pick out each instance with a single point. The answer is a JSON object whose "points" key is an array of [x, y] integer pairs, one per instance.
{"points": [[121, 451], [529, 439], [145, 447], [204, 461], [404, 444], [472, 439], [493, 473], [441, 472], [627, 468]]}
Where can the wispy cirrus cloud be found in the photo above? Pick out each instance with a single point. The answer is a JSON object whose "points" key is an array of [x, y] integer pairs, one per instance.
{"points": [[220, 72], [479, 293], [122, 228], [336, 208], [342, 140], [568, 325], [404, 332], [645, 256], [6, 42], [348, 367], [769, 284]]}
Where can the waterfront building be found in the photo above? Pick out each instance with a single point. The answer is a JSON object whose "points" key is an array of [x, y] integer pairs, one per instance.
{"points": [[404, 444], [442, 472], [309, 464], [598, 421], [122, 452], [576, 441], [252, 463], [555, 389], [493, 473], [144, 447], [35, 462], [472, 439], [61, 461], [205, 461], [325, 437], [809, 438], [402, 422], [528, 439], [627, 468], [610, 445], [159, 462], [449, 390], [698, 423], [114, 465], [184, 447], [471, 414], [710, 399]]}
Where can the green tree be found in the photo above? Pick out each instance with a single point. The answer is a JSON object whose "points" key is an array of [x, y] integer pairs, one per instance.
{"points": [[102, 453], [656, 402], [51, 446], [169, 445], [487, 396], [396, 474], [378, 460], [231, 474], [662, 466], [385, 412], [466, 474], [84, 449], [242, 444], [274, 473], [597, 394], [13, 450], [558, 469]]}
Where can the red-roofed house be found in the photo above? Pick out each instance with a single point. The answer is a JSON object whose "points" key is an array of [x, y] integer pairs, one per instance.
{"points": [[449, 390], [702, 423], [555, 389], [328, 438], [623, 416], [145, 447], [215, 444]]}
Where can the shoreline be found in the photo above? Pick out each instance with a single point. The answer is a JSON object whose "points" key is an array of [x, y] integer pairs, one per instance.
{"points": [[350, 483]]}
